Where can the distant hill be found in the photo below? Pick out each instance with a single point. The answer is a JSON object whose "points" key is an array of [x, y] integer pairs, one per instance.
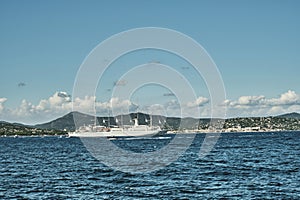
{"points": [[66, 122], [292, 115], [4, 123], [12, 129]]}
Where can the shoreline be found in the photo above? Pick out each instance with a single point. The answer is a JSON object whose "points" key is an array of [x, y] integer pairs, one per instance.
{"points": [[167, 133], [224, 131]]}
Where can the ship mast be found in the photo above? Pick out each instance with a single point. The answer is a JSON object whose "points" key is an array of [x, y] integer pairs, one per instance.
{"points": [[95, 119]]}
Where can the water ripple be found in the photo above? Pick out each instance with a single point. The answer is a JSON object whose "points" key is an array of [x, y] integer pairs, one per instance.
{"points": [[241, 166]]}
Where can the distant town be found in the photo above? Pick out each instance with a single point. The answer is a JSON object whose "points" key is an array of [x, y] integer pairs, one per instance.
{"points": [[254, 124], [10, 129]]}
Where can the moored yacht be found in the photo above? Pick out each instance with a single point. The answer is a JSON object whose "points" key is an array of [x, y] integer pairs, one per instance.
{"points": [[135, 130]]}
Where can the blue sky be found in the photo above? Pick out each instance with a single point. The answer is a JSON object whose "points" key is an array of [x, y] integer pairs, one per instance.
{"points": [[255, 45]]}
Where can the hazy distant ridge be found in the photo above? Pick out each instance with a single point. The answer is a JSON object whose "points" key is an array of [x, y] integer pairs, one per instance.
{"points": [[293, 115]]}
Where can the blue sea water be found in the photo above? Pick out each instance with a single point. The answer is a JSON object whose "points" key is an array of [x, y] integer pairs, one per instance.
{"points": [[240, 166]]}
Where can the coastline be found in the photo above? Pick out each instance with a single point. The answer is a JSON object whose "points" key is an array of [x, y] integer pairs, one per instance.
{"points": [[165, 134]]}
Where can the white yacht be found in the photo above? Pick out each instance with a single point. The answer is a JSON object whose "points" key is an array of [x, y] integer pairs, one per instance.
{"points": [[135, 130]]}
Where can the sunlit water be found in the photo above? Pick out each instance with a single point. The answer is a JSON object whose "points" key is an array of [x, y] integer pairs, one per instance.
{"points": [[241, 166]]}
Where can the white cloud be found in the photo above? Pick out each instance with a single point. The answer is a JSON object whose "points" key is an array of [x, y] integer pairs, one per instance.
{"points": [[285, 99], [200, 101], [85, 105], [261, 106], [47, 109], [288, 98], [26, 109], [250, 100], [275, 109], [2, 101], [116, 105], [157, 109], [59, 102]]}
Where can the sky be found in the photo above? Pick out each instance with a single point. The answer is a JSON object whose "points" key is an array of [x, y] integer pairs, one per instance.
{"points": [[254, 44]]}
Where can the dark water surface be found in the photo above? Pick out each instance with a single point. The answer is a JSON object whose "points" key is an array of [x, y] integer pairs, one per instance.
{"points": [[241, 166]]}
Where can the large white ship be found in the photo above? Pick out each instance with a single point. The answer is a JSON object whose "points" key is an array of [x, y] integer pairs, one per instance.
{"points": [[135, 130]]}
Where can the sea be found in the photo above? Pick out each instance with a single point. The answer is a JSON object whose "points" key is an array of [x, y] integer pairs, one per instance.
{"points": [[260, 165]]}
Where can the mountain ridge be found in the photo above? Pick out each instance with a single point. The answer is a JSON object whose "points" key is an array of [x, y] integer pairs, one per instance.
{"points": [[293, 115]]}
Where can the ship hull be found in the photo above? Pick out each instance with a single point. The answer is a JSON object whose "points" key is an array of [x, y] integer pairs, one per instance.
{"points": [[129, 133]]}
